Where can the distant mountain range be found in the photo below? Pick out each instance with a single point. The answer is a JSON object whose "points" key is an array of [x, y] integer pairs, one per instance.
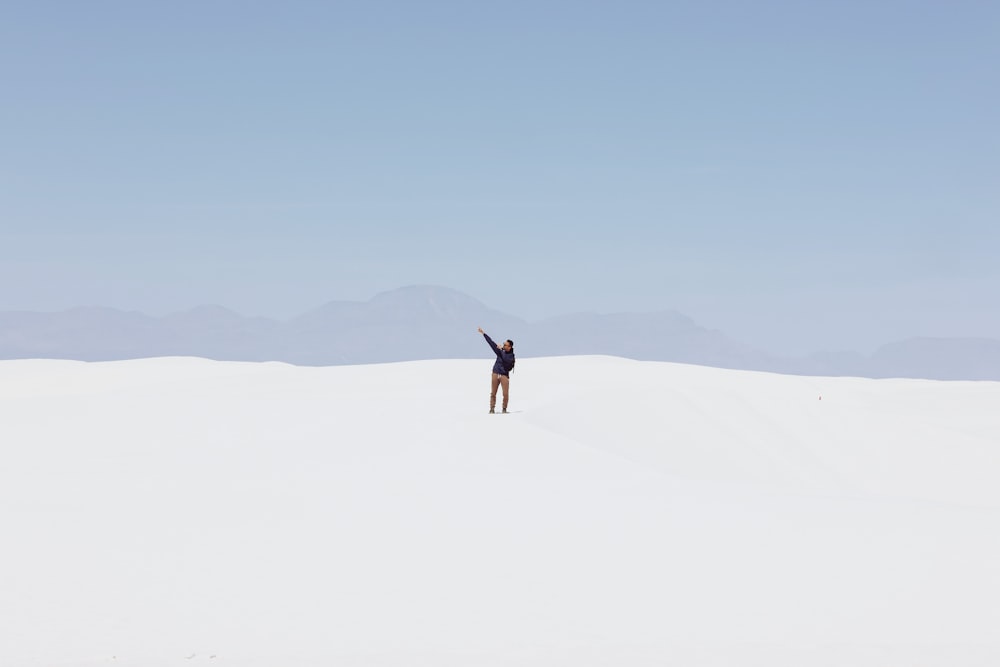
{"points": [[426, 322]]}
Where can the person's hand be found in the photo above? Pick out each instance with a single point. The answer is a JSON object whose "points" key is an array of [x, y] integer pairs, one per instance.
{"points": [[480, 330]]}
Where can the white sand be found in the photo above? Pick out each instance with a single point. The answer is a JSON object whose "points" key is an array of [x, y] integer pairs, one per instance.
{"points": [[161, 512]]}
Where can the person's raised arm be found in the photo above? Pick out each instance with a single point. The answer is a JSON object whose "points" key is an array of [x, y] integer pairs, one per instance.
{"points": [[496, 348]]}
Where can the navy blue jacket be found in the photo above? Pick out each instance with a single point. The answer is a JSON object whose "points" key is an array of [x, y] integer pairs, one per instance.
{"points": [[505, 360]]}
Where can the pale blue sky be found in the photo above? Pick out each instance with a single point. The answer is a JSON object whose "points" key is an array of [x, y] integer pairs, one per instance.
{"points": [[801, 175]]}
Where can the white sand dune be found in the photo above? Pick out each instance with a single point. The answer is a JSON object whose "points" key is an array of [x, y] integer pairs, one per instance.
{"points": [[180, 511]]}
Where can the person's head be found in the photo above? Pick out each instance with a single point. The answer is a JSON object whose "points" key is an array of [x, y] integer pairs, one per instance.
{"points": [[508, 345]]}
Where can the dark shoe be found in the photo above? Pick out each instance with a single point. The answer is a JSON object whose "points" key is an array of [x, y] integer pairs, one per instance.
{"points": [[492, 411], [505, 411]]}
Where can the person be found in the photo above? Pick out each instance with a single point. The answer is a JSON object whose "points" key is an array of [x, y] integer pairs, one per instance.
{"points": [[501, 369]]}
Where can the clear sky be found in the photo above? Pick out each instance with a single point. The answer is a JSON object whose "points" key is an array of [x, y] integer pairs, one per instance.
{"points": [[801, 175]]}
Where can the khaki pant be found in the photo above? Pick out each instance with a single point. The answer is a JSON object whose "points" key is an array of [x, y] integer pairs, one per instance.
{"points": [[499, 381]]}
